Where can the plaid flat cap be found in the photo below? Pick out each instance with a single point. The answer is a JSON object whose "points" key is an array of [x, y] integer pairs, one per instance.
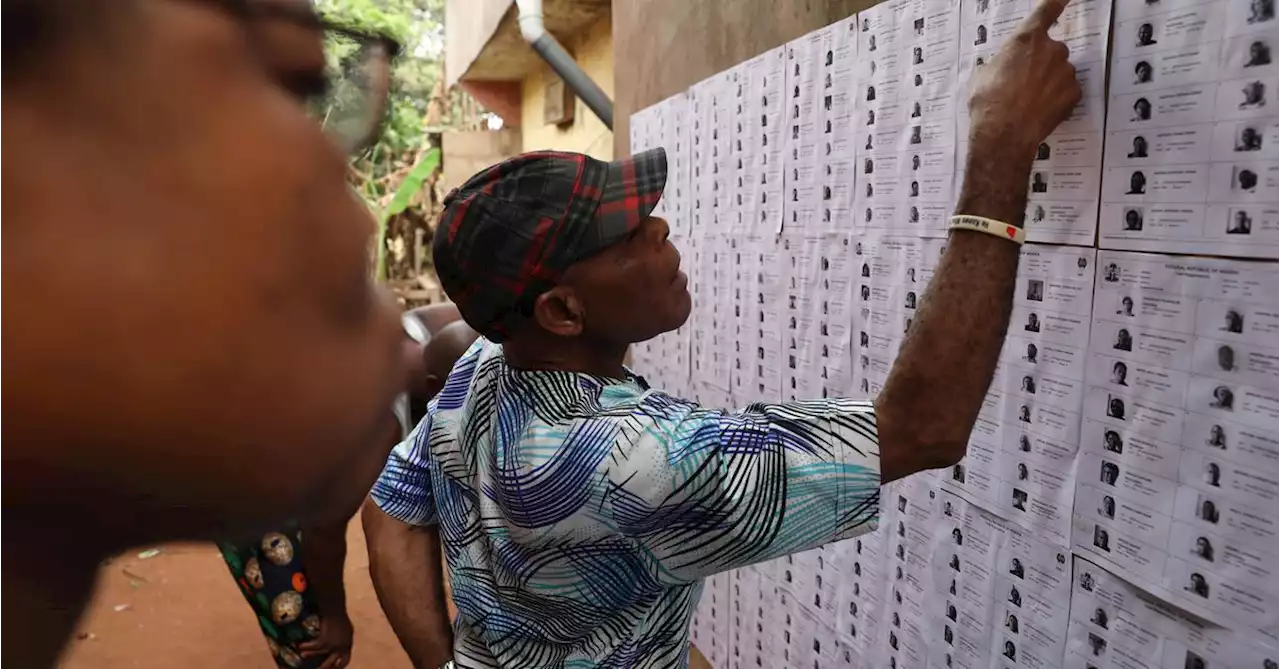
{"points": [[508, 234]]}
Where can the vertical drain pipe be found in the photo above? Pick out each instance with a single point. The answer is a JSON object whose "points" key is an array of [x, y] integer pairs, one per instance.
{"points": [[535, 33]]}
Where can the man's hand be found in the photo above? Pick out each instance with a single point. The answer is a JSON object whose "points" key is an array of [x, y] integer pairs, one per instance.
{"points": [[1026, 90], [935, 389], [1017, 100], [334, 641]]}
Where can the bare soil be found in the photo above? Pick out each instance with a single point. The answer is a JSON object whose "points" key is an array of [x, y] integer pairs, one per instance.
{"points": [[180, 608]]}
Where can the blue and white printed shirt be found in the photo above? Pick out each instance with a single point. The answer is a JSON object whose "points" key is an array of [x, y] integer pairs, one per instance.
{"points": [[579, 514]]}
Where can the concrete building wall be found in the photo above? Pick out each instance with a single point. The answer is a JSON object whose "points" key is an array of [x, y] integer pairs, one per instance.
{"points": [[468, 24], [593, 49], [661, 47], [468, 152]]}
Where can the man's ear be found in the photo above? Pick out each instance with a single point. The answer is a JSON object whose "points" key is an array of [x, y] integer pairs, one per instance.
{"points": [[560, 312]]}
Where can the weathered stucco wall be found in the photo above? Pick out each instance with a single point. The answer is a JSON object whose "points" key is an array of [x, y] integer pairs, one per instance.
{"points": [[468, 24], [468, 152], [593, 49], [661, 47]]}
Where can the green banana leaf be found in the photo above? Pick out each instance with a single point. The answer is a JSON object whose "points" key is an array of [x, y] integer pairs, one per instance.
{"points": [[412, 183]]}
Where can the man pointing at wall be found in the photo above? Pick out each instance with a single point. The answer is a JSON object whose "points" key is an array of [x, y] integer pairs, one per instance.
{"points": [[580, 509]]}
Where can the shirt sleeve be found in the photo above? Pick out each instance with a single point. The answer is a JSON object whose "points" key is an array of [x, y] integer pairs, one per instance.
{"points": [[403, 490], [715, 491]]}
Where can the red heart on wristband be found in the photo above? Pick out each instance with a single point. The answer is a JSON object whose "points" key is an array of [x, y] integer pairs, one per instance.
{"points": [[1011, 231]]}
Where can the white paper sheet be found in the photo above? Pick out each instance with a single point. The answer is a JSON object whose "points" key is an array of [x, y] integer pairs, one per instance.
{"points": [[840, 106], [766, 117], [1010, 589], [1062, 196], [1178, 483], [908, 630], [836, 314], [1022, 452], [1192, 137], [888, 285], [723, 320], [905, 132], [805, 146], [802, 329], [861, 594], [1114, 624]]}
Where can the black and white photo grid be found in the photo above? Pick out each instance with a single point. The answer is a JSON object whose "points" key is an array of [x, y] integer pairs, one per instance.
{"points": [[1117, 506]]}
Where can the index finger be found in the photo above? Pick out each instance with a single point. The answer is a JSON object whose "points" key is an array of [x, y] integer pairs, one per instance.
{"points": [[1043, 16]]}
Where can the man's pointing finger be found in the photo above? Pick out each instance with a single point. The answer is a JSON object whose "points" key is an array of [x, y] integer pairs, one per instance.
{"points": [[1044, 15]]}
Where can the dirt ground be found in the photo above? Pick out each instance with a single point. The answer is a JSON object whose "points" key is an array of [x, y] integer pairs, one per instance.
{"points": [[180, 608]]}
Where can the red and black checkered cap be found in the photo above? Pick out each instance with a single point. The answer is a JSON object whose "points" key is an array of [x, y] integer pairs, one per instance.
{"points": [[508, 234]]}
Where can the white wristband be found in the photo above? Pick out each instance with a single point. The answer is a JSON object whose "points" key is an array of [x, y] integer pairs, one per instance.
{"points": [[990, 226]]}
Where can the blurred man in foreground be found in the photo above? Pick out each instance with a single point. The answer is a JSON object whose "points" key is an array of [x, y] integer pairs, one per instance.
{"points": [[232, 362], [581, 509]]}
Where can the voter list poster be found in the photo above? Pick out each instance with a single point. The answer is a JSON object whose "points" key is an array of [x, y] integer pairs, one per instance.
{"points": [[905, 128], [1177, 485], [1191, 158], [1117, 506]]}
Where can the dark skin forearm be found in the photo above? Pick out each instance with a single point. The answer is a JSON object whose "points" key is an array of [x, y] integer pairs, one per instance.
{"points": [[408, 576], [324, 554], [325, 546], [936, 387]]}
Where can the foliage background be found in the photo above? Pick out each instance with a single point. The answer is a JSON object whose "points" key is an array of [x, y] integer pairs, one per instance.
{"points": [[397, 176]]}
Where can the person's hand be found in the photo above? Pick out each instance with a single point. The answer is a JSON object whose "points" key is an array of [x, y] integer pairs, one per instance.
{"points": [[333, 642], [1025, 91]]}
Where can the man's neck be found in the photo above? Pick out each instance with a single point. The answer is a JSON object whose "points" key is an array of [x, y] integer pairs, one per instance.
{"points": [[582, 358]]}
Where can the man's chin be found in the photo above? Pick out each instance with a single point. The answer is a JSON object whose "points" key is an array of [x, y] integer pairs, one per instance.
{"points": [[684, 308], [679, 315]]}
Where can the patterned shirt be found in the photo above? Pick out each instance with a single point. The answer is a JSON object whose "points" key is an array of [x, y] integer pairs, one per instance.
{"points": [[579, 514]]}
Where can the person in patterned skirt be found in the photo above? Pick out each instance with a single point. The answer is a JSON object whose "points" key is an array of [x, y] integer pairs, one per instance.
{"points": [[270, 569], [270, 575]]}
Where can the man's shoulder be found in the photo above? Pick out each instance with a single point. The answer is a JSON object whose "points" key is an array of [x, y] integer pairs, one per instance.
{"points": [[478, 363]]}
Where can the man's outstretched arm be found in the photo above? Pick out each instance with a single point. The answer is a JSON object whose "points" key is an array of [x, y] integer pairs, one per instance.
{"points": [[779, 479], [934, 391]]}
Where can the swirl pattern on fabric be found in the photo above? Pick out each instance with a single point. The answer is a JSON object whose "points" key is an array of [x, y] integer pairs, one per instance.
{"points": [[580, 514]]}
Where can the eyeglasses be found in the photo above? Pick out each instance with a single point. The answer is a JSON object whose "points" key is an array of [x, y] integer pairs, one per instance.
{"points": [[348, 96], [358, 72]]}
